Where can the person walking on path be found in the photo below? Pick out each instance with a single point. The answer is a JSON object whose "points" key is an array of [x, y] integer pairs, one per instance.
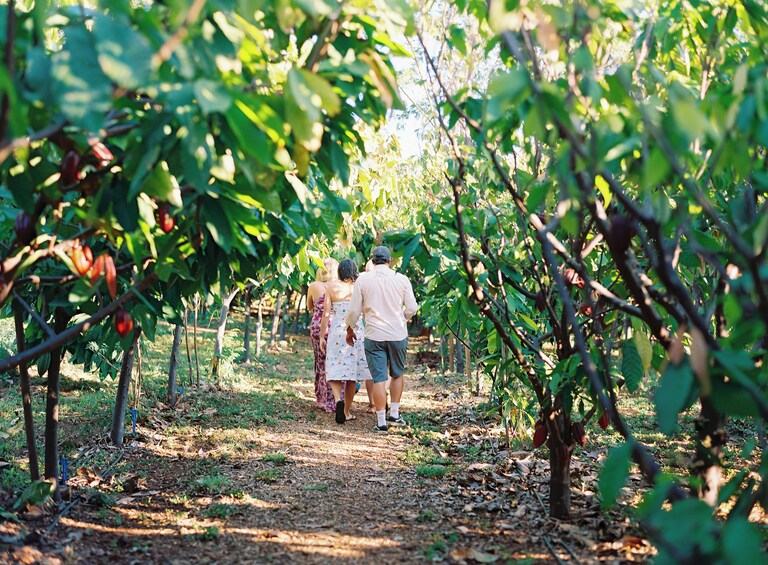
{"points": [[385, 299], [315, 304], [344, 364]]}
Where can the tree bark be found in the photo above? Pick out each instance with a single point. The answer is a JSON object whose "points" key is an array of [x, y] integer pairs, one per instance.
{"points": [[259, 327], [708, 461], [302, 296], [226, 302], [247, 336], [276, 317], [60, 320], [194, 330], [189, 353], [26, 399], [560, 478], [173, 368], [123, 387]]}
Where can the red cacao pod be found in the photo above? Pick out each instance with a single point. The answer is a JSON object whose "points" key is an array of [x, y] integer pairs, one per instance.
{"points": [[82, 258], [110, 273], [540, 434], [585, 308], [164, 218], [577, 431], [604, 421], [102, 153], [123, 322], [572, 278], [70, 168], [24, 228], [97, 269]]}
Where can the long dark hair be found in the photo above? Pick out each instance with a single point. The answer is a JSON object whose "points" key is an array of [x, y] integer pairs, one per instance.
{"points": [[347, 270]]}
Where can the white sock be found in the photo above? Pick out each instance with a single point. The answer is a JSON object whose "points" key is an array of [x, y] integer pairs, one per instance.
{"points": [[381, 417], [394, 409]]}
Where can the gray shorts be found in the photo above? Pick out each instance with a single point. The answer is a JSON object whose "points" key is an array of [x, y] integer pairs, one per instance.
{"points": [[383, 354]]}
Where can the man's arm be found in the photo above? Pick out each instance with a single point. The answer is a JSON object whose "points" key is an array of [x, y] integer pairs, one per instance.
{"points": [[409, 300]]}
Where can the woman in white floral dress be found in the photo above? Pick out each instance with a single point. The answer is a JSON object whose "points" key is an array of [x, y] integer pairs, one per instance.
{"points": [[342, 362]]}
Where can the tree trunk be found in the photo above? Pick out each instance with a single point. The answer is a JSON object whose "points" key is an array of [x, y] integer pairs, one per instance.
{"points": [[276, 317], [560, 478], [259, 327], [247, 337], [707, 464], [298, 310], [26, 399], [451, 357], [189, 352], [173, 369], [194, 329], [226, 302], [60, 320], [123, 387]]}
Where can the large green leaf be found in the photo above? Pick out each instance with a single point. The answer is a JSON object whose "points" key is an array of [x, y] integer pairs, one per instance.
{"points": [[124, 54], [672, 394], [631, 365], [614, 473]]}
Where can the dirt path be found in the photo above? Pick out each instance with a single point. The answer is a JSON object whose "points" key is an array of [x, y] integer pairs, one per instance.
{"points": [[209, 482]]}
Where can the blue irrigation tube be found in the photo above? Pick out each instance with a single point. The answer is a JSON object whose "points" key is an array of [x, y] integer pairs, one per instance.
{"points": [[64, 470]]}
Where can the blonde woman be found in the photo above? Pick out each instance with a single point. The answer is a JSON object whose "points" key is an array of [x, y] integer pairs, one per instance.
{"points": [[315, 304]]}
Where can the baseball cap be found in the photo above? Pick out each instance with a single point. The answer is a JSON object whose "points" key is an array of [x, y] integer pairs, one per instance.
{"points": [[381, 253]]}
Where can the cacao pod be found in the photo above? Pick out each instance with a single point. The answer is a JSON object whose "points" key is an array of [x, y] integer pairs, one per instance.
{"points": [[97, 269], [577, 431], [539, 434], [604, 421], [585, 309], [620, 234], [123, 322], [82, 258], [70, 168], [164, 218], [572, 278], [110, 273], [24, 228], [102, 153], [540, 301]]}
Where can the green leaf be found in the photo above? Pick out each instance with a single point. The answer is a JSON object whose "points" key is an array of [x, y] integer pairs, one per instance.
{"points": [[218, 224], [742, 542], [614, 474], [672, 394], [212, 96], [83, 91], [644, 348], [162, 186], [124, 54], [329, 100], [631, 365]]}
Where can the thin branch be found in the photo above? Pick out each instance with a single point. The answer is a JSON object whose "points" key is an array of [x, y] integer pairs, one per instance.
{"points": [[166, 50], [34, 313]]}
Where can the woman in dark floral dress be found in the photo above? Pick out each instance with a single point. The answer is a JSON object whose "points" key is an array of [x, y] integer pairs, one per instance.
{"points": [[315, 303]]}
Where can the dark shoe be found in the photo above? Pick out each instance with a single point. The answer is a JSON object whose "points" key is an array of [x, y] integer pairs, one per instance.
{"points": [[383, 429], [340, 417], [392, 421]]}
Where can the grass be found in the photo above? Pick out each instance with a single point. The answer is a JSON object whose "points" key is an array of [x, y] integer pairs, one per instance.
{"points": [[320, 487], [221, 510], [212, 484], [276, 457], [245, 397], [267, 475], [431, 471]]}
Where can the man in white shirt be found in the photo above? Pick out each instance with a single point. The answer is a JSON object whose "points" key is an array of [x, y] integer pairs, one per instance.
{"points": [[385, 300]]}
